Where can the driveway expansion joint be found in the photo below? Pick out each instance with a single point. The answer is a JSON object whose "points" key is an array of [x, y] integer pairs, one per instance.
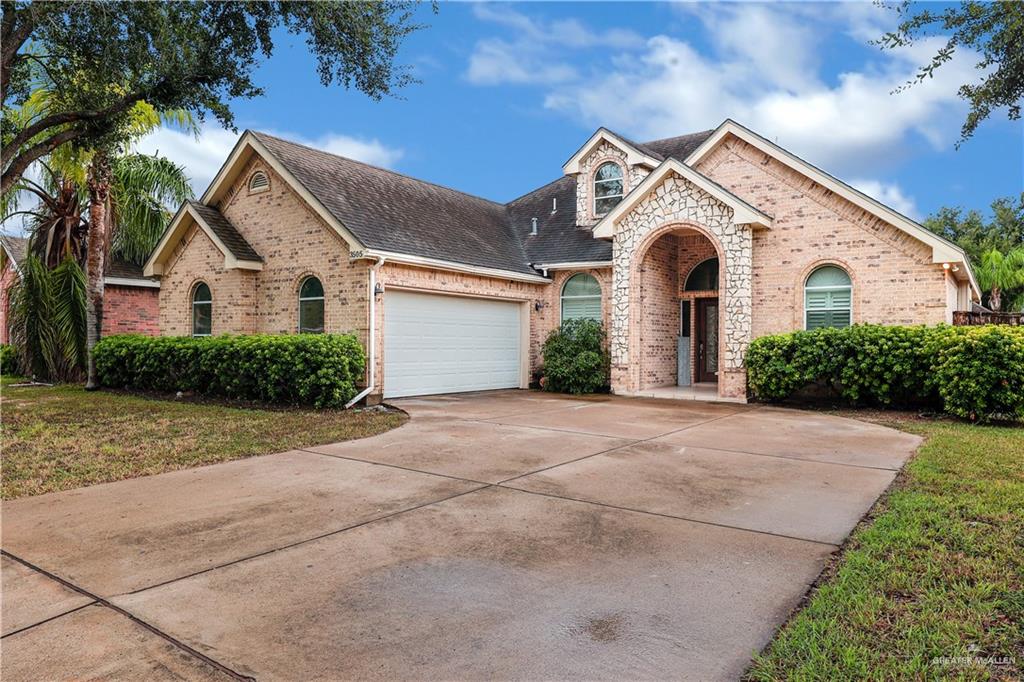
{"points": [[662, 515], [44, 621], [392, 466], [304, 541], [101, 601], [631, 443]]}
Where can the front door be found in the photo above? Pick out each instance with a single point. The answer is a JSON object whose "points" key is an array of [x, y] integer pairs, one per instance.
{"points": [[707, 339]]}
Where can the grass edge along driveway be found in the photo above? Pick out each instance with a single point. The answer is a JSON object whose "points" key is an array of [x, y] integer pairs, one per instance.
{"points": [[931, 584], [61, 437]]}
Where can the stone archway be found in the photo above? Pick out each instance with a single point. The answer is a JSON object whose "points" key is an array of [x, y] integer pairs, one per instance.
{"points": [[674, 205]]}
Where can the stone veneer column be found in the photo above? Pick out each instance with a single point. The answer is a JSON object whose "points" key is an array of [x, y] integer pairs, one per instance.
{"points": [[681, 204]]}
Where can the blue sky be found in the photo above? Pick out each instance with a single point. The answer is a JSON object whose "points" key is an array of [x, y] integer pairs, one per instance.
{"points": [[510, 91]]}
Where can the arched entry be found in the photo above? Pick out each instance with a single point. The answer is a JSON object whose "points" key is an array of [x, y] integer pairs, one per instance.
{"points": [[679, 316]]}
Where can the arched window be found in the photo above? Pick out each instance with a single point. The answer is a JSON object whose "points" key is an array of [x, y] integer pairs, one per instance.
{"points": [[259, 182], [581, 298], [202, 310], [311, 306], [607, 187], [828, 298], [703, 277]]}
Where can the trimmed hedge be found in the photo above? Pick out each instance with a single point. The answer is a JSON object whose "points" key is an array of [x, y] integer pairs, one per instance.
{"points": [[575, 358], [972, 372], [321, 370], [9, 363]]}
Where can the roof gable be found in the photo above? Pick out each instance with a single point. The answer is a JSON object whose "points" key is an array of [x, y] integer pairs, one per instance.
{"points": [[743, 213], [635, 153], [237, 251], [943, 251]]}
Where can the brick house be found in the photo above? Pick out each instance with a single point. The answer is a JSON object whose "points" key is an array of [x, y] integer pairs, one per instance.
{"points": [[131, 304], [686, 248]]}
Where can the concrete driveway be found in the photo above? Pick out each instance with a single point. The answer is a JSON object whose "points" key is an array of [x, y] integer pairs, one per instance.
{"points": [[498, 535]]}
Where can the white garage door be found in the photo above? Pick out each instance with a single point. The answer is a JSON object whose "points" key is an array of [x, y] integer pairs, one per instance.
{"points": [[447, 344]]}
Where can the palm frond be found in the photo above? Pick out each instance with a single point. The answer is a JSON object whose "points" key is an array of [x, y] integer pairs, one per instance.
{"points": [[145, 192], [69, 316], [31, 325]]}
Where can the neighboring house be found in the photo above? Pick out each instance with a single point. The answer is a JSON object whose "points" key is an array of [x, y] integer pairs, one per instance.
{"points": [[130, 300], [687, 248]]}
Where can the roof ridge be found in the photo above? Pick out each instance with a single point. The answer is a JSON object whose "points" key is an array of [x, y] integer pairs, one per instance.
{"points": [[534, 191], [379, 168], [676, 137]]}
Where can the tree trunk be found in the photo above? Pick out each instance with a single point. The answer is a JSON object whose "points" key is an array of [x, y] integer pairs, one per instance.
{"points": [[995, 299], [95, 264]]}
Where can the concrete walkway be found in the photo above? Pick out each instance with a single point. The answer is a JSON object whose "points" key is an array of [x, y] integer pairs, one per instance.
{"points": [[508, 535]]}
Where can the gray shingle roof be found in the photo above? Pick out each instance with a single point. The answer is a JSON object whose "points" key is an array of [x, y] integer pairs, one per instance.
{"points": [[393, 212], [18, 248], [389, 211], [226, 232], [558, 239]]}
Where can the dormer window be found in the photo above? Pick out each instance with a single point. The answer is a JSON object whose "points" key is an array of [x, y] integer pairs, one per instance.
{"points": [[607, 187], [258, 182]]}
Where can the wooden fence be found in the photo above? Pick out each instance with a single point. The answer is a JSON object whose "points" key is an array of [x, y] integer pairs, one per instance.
{"points": [[964, 318]]}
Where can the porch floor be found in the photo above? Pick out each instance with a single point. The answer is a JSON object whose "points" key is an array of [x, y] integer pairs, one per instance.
{"points": [[702, 391]]}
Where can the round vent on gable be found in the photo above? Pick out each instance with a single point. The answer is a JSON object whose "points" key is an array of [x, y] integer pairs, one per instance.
{"points": [[259, 182]]}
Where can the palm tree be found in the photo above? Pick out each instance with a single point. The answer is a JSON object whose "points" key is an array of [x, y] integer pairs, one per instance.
{"points": [[114, 205], [998, 272]]}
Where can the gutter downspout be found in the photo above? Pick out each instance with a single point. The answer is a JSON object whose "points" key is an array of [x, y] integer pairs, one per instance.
{"points": [[372, 338]]}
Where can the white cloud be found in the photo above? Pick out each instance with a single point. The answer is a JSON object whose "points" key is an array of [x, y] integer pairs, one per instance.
{"points": [[890, 194], [202, 157], [762, 67], [531, 54]]}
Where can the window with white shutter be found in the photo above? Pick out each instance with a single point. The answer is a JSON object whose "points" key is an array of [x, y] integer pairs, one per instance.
{"points": [[828, 298], [581, 298]]}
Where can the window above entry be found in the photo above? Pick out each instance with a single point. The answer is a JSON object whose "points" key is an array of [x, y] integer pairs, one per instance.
{"points": [[608, 187]]}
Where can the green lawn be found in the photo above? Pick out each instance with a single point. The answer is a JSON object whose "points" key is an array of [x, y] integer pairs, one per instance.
{"points": [[62, 437], [932, 583]]}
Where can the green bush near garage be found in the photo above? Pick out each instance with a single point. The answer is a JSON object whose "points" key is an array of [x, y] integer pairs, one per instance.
{"points": [[576, 358], [321, 370], [976, 373]]}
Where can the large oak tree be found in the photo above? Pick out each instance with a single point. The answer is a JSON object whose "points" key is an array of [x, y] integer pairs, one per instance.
{"points": [[105, 57]]}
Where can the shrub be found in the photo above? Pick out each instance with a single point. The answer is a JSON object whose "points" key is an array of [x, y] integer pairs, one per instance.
{"points": [[972, 372], [979, 371], [9, 365], [575, 358], [321, 370]]}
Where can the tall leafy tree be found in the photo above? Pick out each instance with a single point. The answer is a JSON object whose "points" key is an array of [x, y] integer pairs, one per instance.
{"points": [[196, 56], [994, 30], [990, 244]]}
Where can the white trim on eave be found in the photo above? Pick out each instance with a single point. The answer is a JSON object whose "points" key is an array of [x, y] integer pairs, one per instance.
{"points": [[943, 251], [132, 282], [743, 213], [423, 262], [579, 265], [633, 155]]}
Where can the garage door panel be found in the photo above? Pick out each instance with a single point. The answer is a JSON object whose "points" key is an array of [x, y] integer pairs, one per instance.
{"points": [[446, 344]]}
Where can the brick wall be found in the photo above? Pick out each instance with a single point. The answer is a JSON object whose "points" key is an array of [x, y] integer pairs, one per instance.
{"points": [[894, 280], [295, 243], [659, 316], [131, 310], [196, 259], [7, 279]]}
